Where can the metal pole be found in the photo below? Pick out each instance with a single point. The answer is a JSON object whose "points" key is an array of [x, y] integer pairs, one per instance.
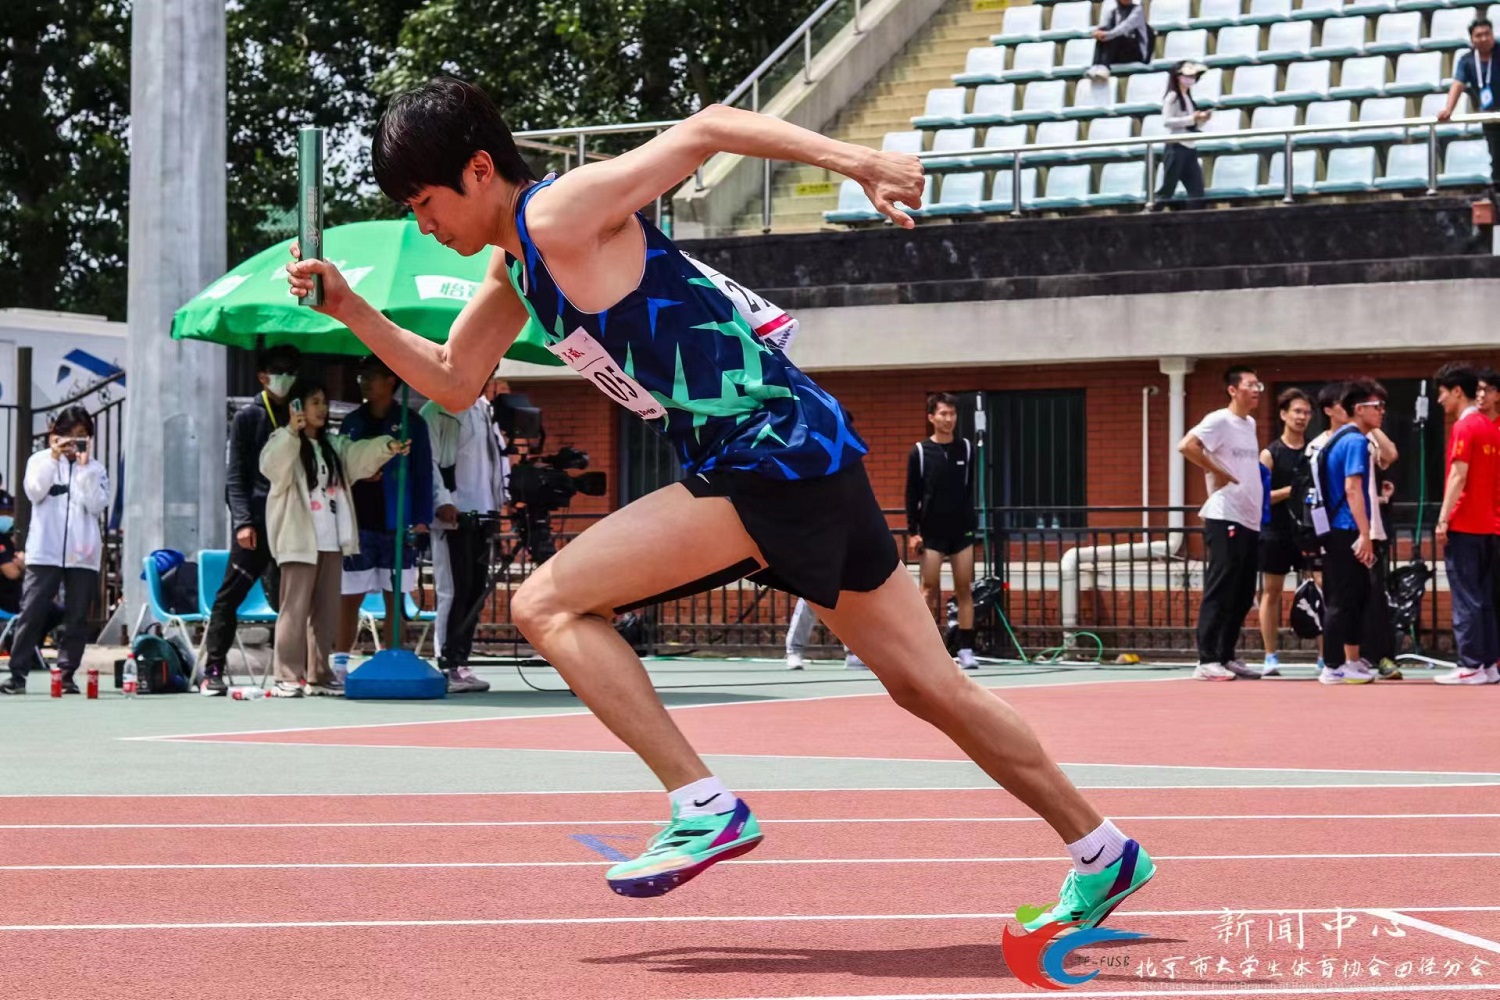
{"points": [[1015, 187], [1151, 177], [807, 57], [755, 94], [857, 5], [1432, 159], [582, 148], [24, 442], [765, 203], [1286, 197]]}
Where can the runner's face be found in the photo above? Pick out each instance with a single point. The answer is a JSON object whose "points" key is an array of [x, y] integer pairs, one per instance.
{"points": [[448, 217], [944, 418]]}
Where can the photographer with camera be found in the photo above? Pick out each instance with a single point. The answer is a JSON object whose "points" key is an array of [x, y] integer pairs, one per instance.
{"points": [[470, 469], [68, 490]]}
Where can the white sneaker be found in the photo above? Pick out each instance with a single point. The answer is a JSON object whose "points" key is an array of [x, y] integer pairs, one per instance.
{"points": [[1331, 675], [852, 662], [1358, 672], [1492, 673], [794, 661], [1272, 666], [1098, 74], [966, 660], [1463, 675], [1212, 672]]}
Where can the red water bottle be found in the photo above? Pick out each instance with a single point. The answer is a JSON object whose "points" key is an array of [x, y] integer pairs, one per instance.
{"points": [[56, 681], [93, 688]]}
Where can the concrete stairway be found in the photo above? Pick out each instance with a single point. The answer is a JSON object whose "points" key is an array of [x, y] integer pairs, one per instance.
{"points": [[800, 195]]}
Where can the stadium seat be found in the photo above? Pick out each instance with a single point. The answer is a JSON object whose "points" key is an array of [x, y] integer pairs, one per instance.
{"points": [[1234, 176], [1003, 189], [1043, 101], [1091, 98], [1052, 133], [1349, 169], [1267, 11], [1152, 125], [1327, 113], [1170, 15], [1067, 187], [1433, 103], [1377, 109], [946, 102], [960, 194], [1223, 120], [1077, 56], [1252, 85], [1466, 164], [1217, 13], [1368, 8], [1143, 94], [1180, 45], [1342, 38], [1304, 173], [1069, 20], [1032, 61], [1121, 184], [1209, 89], [993, 100], [1271, 116], [1021, 24], [1425, 4], [1001, 137], [1405, 167], [902, 142], [1395, 33], [1450, 29], [1118, 127], [950, 140], [1288, 40], [1235, 46], [1417, 73], [1316, 10], [1361, 77], [854, 205], [1305, 81], [982, 65]]}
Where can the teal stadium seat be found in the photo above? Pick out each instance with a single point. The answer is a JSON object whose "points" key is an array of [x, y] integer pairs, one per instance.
{"points": [[1288, 40], [1342, 38], [985, 64], [1052, 133], [1000, 137], [854, 205], [1396, 33], [1234, 176], [946, 103], [1021, 24], [1252, 85], [1002, 190], [1267, 11], [1217, 13], [1120, 184], [1369, 8], [1236, 46], [1032, 61], [1100, 129], [902, 142], [1405, 167], [1377, 109], [1043, 100], [1361, 77], [1466, 163], [1209, 89], [1329, 114], [1316, 10], [1170, 15], [1349, 169], [1270, 116], [959, 194], [1305, 82], [1144, 93], [1152, 125], [1092, 98], [1417, 73], [1077, 56], [993, 102], [1182, 45], [1304, 173], [957, 141], [1069, 20], [1449, 29], [1223, 120], [1067, 187], [1433, 103]]}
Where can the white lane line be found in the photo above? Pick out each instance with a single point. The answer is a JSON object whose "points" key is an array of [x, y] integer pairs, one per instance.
{"points": [[376, 824], [1472, 940], [387, 865]]}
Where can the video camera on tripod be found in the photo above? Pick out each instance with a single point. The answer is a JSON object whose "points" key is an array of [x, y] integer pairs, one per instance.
{"points": [[540, 484]]}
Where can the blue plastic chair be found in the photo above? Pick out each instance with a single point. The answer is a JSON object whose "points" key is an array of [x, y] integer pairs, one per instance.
{"points": [[372, 614], [10, 625], [213, 564], [156, 603]]}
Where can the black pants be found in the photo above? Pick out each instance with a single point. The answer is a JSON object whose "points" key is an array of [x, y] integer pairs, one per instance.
{"points": [[1469, 561], [469, 564], [1377, 634], [1181, 165], [1228, 588], [245, 567], [1348, 588], [1125, 49], [38, 594], [1492, 136]]}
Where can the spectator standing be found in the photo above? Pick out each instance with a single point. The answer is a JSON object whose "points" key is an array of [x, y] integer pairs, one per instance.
{"points": [[245, 491], [799, 630], [1224, 445], [376, 501], [1280, 553], [940, 516], [1474, 72], [1347, 484], [470, 473], [1181, 115], [68, 489], [310, 528], [1123, 37], [1466, 525], [7, 502]]}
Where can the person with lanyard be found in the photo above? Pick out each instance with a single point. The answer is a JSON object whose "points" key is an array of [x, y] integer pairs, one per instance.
{"points": [[470, 469], [1474, 74], [245, 491], [774, 488]]}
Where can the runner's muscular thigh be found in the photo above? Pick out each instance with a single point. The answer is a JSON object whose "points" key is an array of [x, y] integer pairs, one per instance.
{"points": [[664, 540]]}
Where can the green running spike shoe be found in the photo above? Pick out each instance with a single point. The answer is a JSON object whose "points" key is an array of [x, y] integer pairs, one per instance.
{"points": [[684, 850], [1087, 899]]}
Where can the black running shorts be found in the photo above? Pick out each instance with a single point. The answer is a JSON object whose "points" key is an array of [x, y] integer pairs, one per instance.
{"points": [[818, 536]]}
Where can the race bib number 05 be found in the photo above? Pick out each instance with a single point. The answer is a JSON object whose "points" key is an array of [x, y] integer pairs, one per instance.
{"points": [[587, 357]]}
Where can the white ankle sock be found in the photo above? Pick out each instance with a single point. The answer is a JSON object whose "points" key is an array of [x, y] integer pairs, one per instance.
{"points": [[703, 797], [1098, 850]]}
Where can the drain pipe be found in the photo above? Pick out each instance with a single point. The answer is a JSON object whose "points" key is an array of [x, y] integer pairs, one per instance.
{"points": [[1147, 391]]}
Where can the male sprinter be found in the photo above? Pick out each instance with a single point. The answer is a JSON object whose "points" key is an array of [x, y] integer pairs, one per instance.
{"points": [[776, 489]]}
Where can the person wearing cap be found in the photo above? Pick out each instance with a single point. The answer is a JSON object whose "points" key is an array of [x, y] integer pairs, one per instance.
{"points": [[376, 500], [1123, 37], [1180, 115], [469, 477]]}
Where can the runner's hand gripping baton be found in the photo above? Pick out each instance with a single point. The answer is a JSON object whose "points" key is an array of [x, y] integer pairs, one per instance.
{"points": [[310, 204]]}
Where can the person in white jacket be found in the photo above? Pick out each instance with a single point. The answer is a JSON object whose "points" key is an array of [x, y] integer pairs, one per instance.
{"points": [[69, 490], [311, 527]]}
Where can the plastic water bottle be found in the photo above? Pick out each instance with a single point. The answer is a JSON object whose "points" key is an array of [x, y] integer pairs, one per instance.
{"points": [[247, 693], [128, 682], [339, 663]]}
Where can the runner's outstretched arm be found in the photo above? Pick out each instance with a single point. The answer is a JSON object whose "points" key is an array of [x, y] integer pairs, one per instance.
{"points": [[602, 196]]}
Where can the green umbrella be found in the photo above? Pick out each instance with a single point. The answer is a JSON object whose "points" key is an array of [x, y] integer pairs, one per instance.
{"points": [[412, 279]]}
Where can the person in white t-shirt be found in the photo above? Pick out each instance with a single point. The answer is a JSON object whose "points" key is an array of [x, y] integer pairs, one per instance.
{"points": [[1226, 447]]}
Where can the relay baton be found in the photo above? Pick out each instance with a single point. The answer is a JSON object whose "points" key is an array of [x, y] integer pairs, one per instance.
{"points": [[310, 204]]}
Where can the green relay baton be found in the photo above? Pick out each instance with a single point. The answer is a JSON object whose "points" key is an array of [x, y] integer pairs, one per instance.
{"points": [[310, 204]]}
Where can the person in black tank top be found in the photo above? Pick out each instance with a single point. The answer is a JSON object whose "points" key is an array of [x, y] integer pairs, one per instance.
{"points": [[1279, 552], [940, 517]]}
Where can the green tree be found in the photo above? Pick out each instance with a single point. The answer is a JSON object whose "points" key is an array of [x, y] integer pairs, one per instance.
{"points": [[64, 167]]}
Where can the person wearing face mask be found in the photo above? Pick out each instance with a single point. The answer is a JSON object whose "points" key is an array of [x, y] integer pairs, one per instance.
{"points": [[245, 491], [1180, 115]]}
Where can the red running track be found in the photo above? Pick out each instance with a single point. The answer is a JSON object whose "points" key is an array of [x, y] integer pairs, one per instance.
{"points": [[1274, 723]]}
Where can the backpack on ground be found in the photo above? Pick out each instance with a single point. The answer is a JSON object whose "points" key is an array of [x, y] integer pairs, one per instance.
{"points": [[1307, 610], [158, 665]]}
